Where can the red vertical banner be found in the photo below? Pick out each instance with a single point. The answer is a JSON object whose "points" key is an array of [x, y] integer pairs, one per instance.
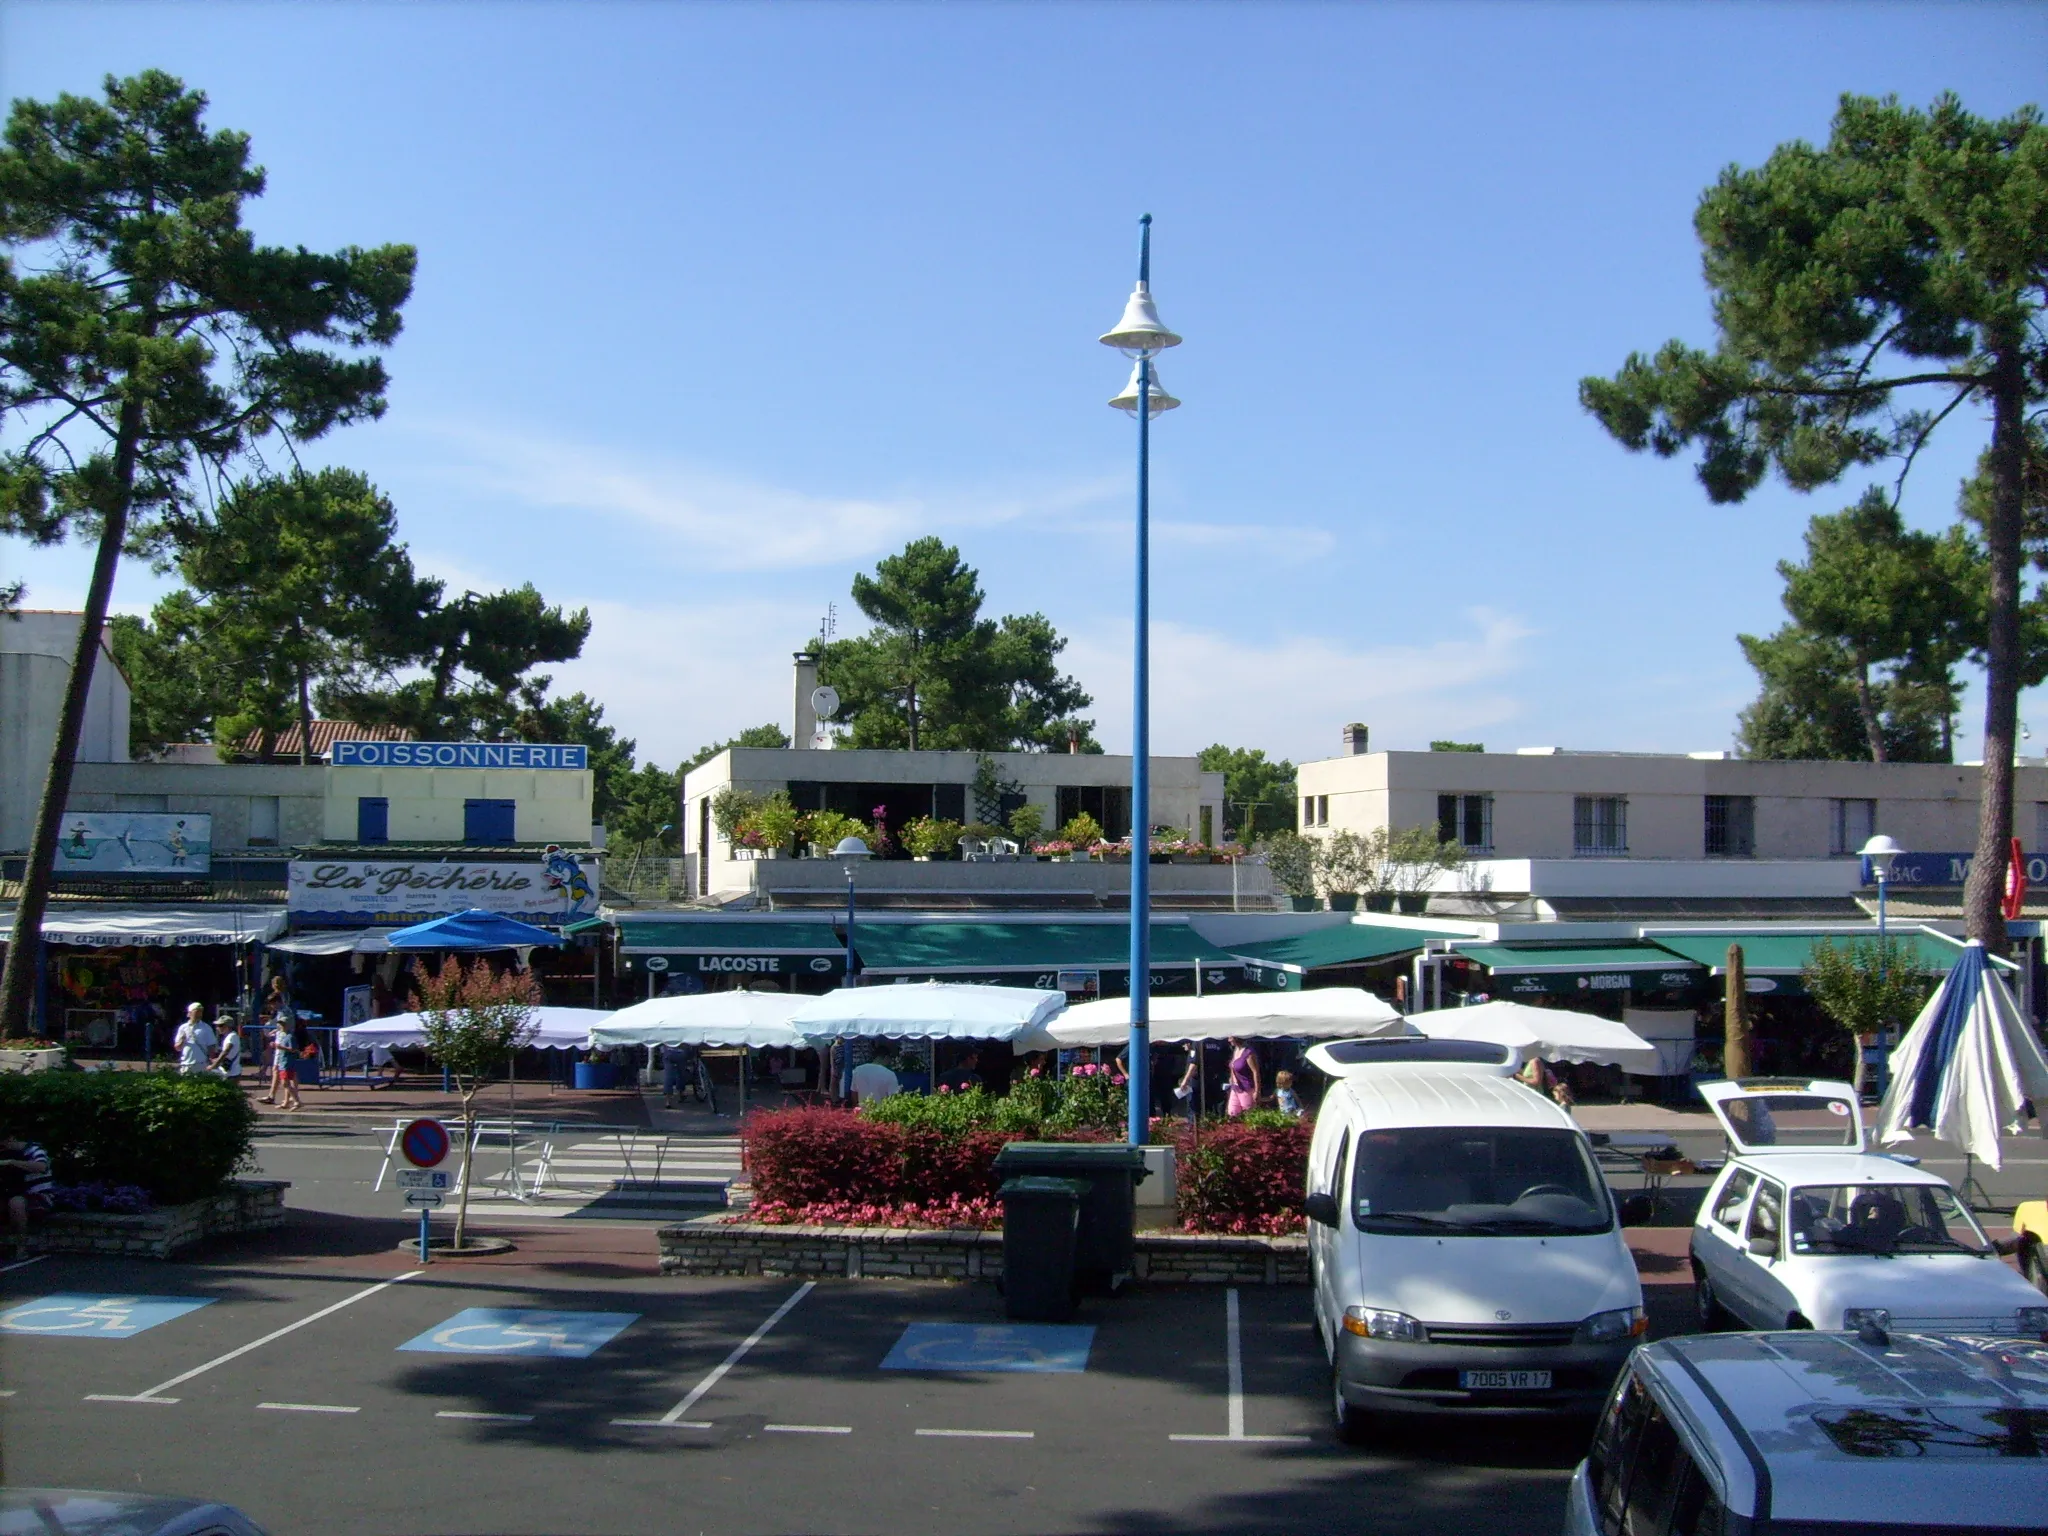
{"points": [[2015, 883]]}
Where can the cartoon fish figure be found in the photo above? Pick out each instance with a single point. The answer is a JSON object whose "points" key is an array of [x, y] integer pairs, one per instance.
{"points": [[566, 875]]}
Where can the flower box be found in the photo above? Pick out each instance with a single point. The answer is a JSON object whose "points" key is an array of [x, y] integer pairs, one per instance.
{"points": [[47, 1059]]}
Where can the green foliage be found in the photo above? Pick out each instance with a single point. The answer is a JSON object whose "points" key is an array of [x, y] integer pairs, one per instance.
{"points": [[645, 808], [1904, 255], [1346, 863], [1292, 858], [731, 807], [1456, 746], [932, 836], [472, 1019], [1083, 831], [775, 819], [1414, 856], [1867, 985], [1050, 1105], [1808, 708], [828, 829], [174, 675], [1026, 822], [932, 673], [179, 1137], [1258, 796], [753, 736]]}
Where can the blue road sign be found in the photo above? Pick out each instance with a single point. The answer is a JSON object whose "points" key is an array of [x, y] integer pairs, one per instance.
{"points": [[70, 1316], [505, 1331], [424, 1143], [991, 1347]]}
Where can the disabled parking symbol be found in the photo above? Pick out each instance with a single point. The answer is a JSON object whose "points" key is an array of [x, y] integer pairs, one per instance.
{"points": [[71, 1316], [991, 1347], [508, 1331]]}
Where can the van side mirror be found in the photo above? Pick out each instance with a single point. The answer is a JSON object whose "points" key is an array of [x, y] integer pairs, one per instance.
{"points": [[1322, 1208], [1763, 1247], [1638, 1210]]}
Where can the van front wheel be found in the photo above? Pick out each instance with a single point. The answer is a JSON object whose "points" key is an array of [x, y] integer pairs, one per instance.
{"points": [[1350, 1420]]}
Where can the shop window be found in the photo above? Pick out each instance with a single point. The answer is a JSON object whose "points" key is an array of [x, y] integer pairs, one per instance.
{"points": [[1109, 804], [1731, 826], [263, 821], [488, 821], [1852, 823], [1466, 820], [373, 819], [1599, 825]]}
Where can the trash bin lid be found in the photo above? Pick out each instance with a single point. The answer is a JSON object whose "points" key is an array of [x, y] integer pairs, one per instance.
{"points": [[1092, 1155], [1040, 1185]]}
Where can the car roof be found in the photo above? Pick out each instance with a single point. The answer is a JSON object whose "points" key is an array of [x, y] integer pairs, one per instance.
{"points": [[90, 1512], [1915, 1404], [1837, 1168], [1396, 1096]]}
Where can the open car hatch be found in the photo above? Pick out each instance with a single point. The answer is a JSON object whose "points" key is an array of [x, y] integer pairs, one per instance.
{"points": [[1786, 1114]]}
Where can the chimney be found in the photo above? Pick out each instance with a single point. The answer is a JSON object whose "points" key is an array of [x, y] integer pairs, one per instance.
{"points": [[1073, 740], [1354, 740], [806, 722]]}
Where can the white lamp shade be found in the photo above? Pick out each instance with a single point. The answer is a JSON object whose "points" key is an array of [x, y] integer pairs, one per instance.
{"points": [[1140, 333], [852, 848], [1156, 397], [1881, 850]]}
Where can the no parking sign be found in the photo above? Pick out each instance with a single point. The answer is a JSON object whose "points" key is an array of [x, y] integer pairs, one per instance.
{"points": [[424, 1143]]}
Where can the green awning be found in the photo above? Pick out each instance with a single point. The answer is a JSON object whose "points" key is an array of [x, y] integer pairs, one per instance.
{"points": [[727, 936], [585, 925], [1786, 954], [962, 949], [1347, 944], [1557, 959]]}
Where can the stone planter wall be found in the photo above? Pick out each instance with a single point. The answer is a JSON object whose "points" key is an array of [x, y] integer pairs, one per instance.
{"points": [[247, 1205], [712, 1245], [31, 1061]]}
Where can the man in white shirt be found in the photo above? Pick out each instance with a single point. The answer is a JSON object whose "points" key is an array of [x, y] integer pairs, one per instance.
{"points": [[873, 1081], [195, 1041]]}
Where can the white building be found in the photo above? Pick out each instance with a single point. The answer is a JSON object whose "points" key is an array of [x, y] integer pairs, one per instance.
{"points": [[35, 666]]}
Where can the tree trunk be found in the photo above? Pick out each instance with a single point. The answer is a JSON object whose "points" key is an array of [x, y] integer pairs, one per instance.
{"points": [[1735, 1061], [25, 941], [266, 745], [305, 720], [1866, 708], [2002, 542], [468, 1157]]}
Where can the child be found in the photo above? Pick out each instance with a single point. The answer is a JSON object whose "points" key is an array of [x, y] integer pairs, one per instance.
{"points": [[1283, 1091]]}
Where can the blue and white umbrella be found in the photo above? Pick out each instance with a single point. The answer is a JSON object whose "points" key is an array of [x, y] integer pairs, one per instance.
{"points": [[1967, 1064]]}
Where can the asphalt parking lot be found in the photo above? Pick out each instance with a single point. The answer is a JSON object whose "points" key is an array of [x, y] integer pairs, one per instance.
{"points": [[365, 1396]]}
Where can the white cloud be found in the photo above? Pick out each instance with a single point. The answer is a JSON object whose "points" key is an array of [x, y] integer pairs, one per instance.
{"points": [[1293, 695]]}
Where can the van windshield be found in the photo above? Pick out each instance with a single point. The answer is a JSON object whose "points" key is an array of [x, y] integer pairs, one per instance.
{"points": [[1481, 1181]]}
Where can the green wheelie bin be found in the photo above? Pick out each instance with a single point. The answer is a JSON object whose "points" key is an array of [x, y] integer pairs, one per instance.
{"points": [[1040, 1219], [1111, 1170]]}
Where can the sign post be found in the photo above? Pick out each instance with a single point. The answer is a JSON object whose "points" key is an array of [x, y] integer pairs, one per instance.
{"points": [[424, 1144]]}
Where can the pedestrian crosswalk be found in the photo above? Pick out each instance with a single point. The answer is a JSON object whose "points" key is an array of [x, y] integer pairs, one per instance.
{"points": [[627, 1176]]}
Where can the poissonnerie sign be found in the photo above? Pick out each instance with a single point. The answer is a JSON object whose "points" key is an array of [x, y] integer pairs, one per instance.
{"points": [[458, 754]]}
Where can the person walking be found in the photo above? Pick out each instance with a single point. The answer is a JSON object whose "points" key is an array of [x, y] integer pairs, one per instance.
{"points": [[1244, 1079], [673, 1060], [227, 1060], [194, 1042], [283, 1058], [1187, 1092]]}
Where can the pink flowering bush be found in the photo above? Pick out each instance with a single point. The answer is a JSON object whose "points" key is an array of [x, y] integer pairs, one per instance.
{"points": [[1240, 1178], [978, 1212]]}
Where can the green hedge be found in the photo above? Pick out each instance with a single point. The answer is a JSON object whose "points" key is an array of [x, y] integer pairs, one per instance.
{"points": [[178, 1137]]}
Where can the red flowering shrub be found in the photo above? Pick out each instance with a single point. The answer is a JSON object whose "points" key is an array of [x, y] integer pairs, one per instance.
{"points": [[978, 1212], [1240, 1178]]}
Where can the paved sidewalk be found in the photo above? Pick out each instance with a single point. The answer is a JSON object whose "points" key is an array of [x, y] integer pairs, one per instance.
{"points": [[419, 1095]]}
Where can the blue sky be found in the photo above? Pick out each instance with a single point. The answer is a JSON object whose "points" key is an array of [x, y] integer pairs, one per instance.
{"points": [[719, 304]]}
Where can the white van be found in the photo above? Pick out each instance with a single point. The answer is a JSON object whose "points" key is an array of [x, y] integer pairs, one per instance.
{"points": [[1465, 1253]]}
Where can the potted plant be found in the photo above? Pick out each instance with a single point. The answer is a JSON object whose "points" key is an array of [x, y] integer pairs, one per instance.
{"points": [[1413, 859], [931, 837], [1026, 822], [1058, 850], [1347, 865], [825, 830], [1084, 831], [776, 821], [1292, 859]]}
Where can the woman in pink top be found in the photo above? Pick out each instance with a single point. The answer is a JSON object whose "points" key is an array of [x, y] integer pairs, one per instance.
{"points": [[1244, 1078]]}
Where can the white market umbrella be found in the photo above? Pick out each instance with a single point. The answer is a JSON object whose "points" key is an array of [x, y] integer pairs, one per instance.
{"points": [[932, 1010], [1321, 1013], [561, 1029], [751, 1019], [1555, 1034], [1966, 1065]]}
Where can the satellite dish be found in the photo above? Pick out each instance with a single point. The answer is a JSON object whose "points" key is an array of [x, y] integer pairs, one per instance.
{"points": [[821, 741], [825, 702]]}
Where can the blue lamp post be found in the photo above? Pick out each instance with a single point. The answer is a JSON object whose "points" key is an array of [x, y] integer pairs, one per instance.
{"points": [[1139, 335]]}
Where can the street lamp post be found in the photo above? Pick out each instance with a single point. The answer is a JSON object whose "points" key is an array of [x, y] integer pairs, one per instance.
{"points": [[851, 849], [1139, 335], [1881, 850]]}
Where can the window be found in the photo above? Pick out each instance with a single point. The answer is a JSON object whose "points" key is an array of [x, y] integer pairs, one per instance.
{"points": [[1731, 826], [263, 821], [1480, 1181], [1766, 1213], [1109, 804], [1644, 1479], [1614, 1449], [1315, 810], [1599, 824], [488, 821], [373, 819], [1853, 823], [1466, 820], [1333, 1178], [1734, 1195]]}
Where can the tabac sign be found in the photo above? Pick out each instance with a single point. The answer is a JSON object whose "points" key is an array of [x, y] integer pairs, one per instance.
{"points": [[559, 889]]}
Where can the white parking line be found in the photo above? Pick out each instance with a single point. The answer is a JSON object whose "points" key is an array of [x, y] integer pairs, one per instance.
{"points": [[980, 1434], [308, 1408], [674, 1417], [1233, 1343], [8, 1269], [485, 1418], [808, 1429], [155, 1393]]}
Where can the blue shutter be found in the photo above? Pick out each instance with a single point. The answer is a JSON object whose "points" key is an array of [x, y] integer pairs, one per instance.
{"points": [[487, 821], [373, 819]]}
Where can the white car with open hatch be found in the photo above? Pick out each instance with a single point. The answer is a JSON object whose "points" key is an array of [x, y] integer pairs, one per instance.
{"points": [[1807, 1228]]}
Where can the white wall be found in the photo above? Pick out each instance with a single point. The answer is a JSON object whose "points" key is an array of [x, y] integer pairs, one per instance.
{"points": [[35, 668]]}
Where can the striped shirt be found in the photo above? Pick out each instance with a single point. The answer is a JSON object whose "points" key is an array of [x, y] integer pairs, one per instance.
{"points": [[38, 1183]]}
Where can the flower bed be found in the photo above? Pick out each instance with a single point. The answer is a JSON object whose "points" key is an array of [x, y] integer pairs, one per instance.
{"points": [[1246, 1176], [955, 1213], [179, 1138]]}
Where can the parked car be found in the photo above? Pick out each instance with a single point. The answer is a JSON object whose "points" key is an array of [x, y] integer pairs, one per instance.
{"points": [[1807, 1228], [1866, 1434], [1465, 1253], [82, 1512]]}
